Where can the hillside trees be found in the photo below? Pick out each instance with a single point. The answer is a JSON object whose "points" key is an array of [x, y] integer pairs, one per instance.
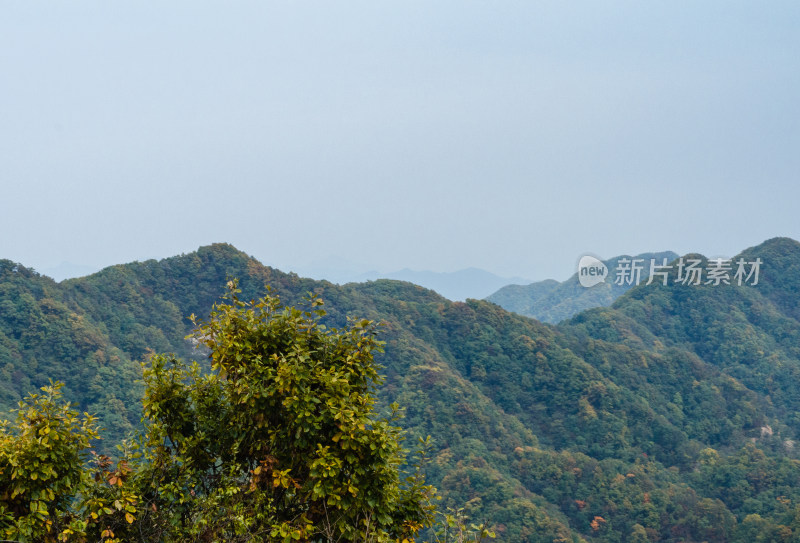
{"points": [[279, 441], [42, 468]]}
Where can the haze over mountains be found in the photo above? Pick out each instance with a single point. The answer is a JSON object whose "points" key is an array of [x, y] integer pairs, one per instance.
{"points": [[552, 301], [456, 286], [671, 415]]}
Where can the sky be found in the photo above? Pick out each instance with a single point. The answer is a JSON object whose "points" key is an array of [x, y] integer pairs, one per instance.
{"points": [[511, 136]]}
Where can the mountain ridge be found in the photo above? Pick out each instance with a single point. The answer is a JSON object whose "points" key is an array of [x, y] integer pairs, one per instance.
{"points": [[552, 301], [534, 424]]}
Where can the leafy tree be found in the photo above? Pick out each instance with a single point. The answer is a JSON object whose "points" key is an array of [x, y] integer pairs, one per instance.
{"points": [[42, 468], [280, 441]]}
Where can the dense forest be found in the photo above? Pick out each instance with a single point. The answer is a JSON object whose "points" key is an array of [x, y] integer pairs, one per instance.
{"points": [[670, 416]]}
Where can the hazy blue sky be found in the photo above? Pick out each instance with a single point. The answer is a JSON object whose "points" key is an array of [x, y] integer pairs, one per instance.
{"points": [[510, 136]]}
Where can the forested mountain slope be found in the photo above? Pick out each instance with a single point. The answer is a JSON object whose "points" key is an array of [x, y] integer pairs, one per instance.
{"points": [[552, 301], [670, 416]]}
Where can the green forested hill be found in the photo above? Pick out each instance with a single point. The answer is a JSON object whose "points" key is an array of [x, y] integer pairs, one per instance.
{"points": [[553, 302], [43, 337], [670, 416]]}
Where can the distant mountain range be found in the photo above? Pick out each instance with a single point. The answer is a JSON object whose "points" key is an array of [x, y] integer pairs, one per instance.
{"points": [[455, 286], [552, 301]]}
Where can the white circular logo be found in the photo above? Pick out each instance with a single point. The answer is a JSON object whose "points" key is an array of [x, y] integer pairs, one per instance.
{"points": [[591, 271]]}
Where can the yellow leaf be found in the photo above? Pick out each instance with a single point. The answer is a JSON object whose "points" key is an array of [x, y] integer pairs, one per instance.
{"points": [[129, 518]]}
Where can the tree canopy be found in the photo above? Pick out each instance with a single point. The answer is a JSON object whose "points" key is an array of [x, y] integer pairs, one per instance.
{"points": [[279, 440]]}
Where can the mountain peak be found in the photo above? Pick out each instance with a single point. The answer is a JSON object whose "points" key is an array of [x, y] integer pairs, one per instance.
{"points": [[782, 245]]}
